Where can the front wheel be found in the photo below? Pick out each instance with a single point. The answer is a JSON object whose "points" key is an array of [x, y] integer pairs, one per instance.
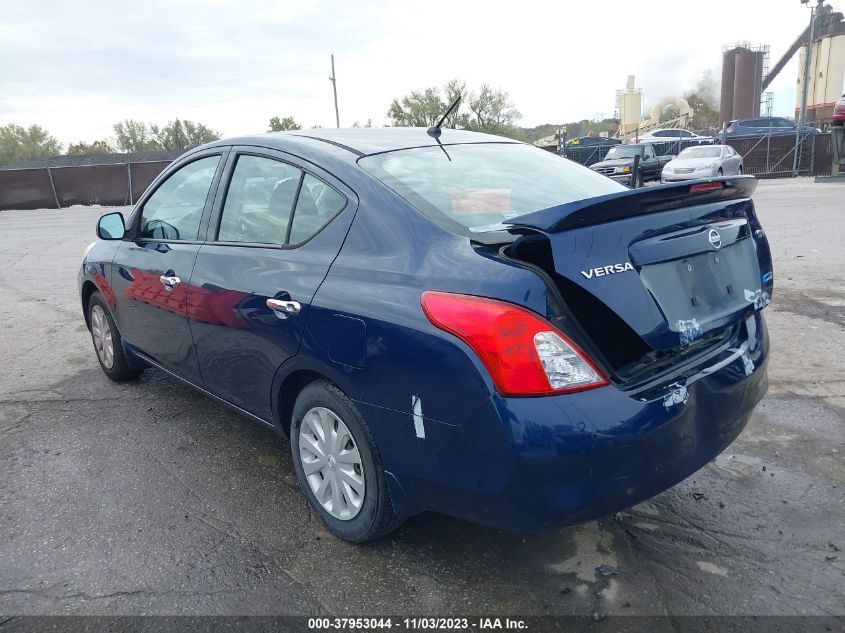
{"points": [[107, 341], [338, 465]]}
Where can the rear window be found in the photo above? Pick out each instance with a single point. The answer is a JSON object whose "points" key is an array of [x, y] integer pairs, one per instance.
{"points": [[701, 152], [624, 151], [478, 187]]}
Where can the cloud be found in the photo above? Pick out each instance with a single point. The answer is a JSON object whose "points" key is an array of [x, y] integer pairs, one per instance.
{"points": [[78, 67]]}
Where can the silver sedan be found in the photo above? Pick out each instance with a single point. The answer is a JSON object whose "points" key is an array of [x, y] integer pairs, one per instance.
{"points": [[708, 161]]}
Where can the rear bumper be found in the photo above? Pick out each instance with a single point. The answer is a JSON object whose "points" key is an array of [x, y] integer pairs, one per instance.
{"points": [[526, 464]]}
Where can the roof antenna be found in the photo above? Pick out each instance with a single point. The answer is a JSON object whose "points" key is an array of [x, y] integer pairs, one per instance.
{"points": [[435, 130]]}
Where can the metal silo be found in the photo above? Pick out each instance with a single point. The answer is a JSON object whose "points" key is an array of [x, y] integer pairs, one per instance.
{"points": [[726, 102], [748, 80]]}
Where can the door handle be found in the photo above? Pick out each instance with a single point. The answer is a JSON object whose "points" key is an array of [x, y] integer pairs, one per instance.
{"points": [[169, 281], [281, 305]]}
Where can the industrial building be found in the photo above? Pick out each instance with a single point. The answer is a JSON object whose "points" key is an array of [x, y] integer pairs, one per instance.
{"points": [[827, 67], [746, 76]]}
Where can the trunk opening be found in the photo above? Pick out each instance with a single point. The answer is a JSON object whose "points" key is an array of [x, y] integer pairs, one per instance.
{"points": [[622, 351]]}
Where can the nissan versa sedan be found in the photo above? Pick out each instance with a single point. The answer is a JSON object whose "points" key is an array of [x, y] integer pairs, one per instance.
{"points": [[442, 320], [703, 162]]}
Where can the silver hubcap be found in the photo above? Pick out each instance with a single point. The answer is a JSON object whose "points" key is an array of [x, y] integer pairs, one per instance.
{"points": [[101, 333], [331, 463]]}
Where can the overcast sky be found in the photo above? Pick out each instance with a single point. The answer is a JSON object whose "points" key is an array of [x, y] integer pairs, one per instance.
{"points": [[76, 67]]}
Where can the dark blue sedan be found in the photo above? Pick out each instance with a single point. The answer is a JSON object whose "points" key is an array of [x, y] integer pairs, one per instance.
{"points": [[443, 320]]}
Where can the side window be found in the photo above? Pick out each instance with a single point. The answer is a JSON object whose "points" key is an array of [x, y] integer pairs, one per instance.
{"points": [[174, 210], [649, 152], [660, 133], [259, 201], [684, 134], [317, 205]]}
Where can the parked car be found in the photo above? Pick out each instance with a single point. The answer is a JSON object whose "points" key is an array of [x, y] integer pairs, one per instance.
{"points": [[767, 125], [839, 112], [591, 141], [709, 161], [618, 164], [443, 321], [669, 135]]}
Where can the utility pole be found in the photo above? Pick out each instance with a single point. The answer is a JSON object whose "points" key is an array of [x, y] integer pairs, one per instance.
{"points": [[334, 87], [802, 115]]}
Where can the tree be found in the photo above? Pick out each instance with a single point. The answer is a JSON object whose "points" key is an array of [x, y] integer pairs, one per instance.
{"points": [[493, 112], [283, 125], [97, 147], [456, 89], [418, 109], [490, 109], [135, 136], [181, 135], [702, 100], [669, 113], [18, 143]]}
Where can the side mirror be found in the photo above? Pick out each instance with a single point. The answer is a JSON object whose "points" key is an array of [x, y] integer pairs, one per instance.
{"points": [[111, 227]]}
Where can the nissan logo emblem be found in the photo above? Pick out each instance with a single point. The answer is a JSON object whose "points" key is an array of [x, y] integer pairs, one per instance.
{"points": [[715, 239]]}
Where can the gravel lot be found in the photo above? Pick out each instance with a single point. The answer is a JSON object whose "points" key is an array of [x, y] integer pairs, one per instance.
{"points": [[147, 498]]}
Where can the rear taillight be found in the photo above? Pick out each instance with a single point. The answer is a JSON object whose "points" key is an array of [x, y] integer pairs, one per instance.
{"points": [[524, 353]]}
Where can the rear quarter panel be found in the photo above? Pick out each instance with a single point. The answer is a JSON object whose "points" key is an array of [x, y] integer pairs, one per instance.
{"points": [[368, 334]]}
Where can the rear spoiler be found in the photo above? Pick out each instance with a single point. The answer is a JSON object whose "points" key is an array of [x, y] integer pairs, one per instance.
{"points": [[626, 204]]}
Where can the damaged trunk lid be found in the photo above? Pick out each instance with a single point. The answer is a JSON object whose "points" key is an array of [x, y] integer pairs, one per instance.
{"points": [[677, 265]]}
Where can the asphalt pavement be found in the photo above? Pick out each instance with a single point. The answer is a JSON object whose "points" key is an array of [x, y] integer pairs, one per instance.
{"points": [[148, 498]]}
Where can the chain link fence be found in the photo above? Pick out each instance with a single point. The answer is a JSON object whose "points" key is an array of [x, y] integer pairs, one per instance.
{"points": [[766, 156], [122, 183], [112, 184]]}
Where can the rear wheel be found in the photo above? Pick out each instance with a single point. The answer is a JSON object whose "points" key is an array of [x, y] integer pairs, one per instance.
{"points": [[107, 341], [338, 465]]}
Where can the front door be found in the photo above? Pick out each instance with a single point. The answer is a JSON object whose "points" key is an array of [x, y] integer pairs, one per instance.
{"points": [[152, 268], [272, 238]]}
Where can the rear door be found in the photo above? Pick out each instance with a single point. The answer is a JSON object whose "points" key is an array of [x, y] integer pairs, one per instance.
{"points": [[152, 267], [650, 162], [731, 159], [277, 226]]}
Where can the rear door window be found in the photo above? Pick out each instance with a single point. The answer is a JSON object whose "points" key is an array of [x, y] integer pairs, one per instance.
{"points": [[272, 202], [174, 210], [259, 201], [316, 206]]}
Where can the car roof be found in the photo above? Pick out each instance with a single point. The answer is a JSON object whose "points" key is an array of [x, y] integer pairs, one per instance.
{"points": [[763, 118], [359, 142]]}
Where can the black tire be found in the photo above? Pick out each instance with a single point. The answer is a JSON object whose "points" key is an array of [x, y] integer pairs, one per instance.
{"points": [[376, 516], [120, 369], [639, 181]]}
